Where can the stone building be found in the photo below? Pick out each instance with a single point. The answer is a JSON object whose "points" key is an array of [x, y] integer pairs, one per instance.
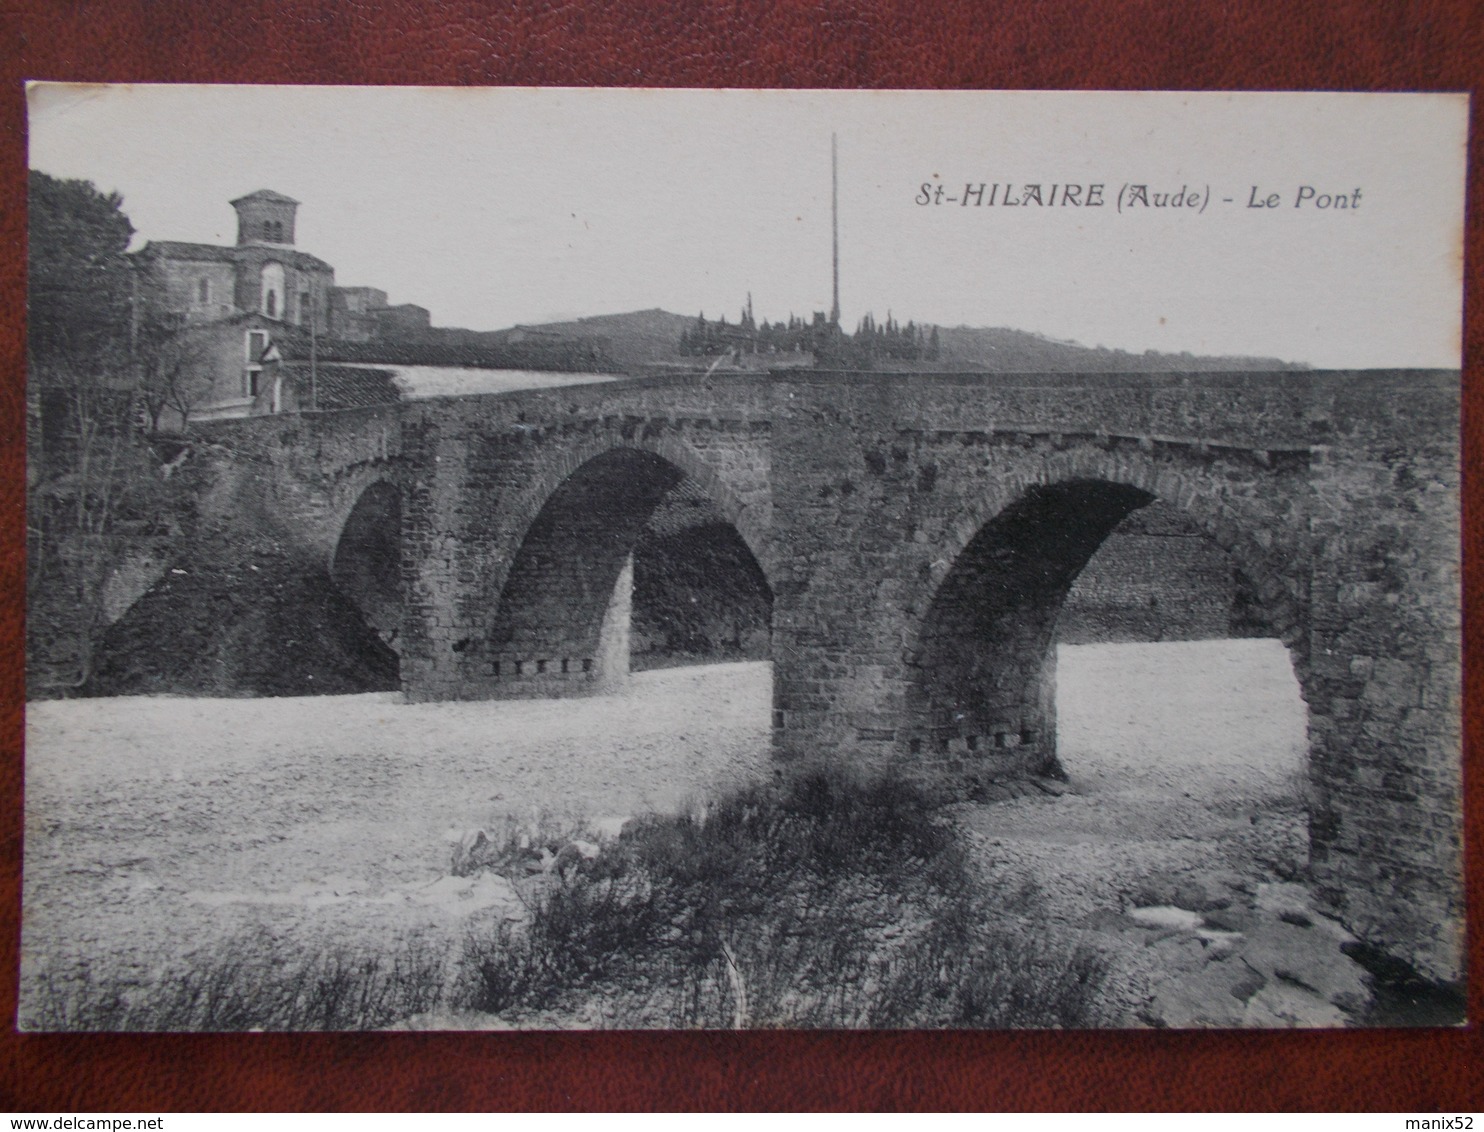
{"points": [[261, 327], [227, 307]]}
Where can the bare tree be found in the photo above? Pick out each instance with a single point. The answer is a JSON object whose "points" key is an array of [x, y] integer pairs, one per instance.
{"points": [[172, 361]]}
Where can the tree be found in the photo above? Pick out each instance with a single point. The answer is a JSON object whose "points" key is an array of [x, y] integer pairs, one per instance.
{"points": [[79, 289], [92, 479], [172, 362]]}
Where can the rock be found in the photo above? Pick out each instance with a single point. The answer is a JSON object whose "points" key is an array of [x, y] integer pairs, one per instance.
{"points": [[611, 826], [1199, 897], [1165, 916], [1310, 959], [1207, 997], [468, 853], [1204, 892], [1284, 1006], [1219, 944], [1279, 898], [1179, 955], [1333, 929], [1228, 919], [1190, 895], [1050, 786], [1248, 983]]}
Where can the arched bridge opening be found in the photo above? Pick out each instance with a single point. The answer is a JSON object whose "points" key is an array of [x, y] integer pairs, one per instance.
{"points": [[1124, 588], [1172, 687], [629, 556], [699, 594], [985, 681], [367, 563]]}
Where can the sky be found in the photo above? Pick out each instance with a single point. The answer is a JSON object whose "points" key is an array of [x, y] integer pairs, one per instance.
{"points": [[493, 207]]}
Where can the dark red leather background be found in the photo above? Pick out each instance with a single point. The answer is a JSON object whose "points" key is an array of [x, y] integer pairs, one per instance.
{"points": [[1197, 44]]}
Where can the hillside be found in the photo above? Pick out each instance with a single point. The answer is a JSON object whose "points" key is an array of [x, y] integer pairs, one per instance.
{"points": [[1000, 349], [641, 339], [635, 339]]}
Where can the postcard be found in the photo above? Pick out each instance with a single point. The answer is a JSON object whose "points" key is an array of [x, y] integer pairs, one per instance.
{"points": [[624, 559]]}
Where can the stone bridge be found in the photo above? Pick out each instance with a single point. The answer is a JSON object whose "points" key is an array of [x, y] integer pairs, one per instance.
{"points": [[919, 534]]}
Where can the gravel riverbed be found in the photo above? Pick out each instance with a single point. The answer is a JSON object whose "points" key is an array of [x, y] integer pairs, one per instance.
{"points": [[157, 826]]}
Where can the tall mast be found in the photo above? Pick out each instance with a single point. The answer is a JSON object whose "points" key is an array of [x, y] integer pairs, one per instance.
{"points": [[835, 228]]}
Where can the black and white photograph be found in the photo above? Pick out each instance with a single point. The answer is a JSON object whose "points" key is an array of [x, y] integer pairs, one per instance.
{"points": [[549, 559]]}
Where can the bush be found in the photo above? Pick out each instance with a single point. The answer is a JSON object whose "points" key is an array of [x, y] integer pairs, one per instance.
{"points": [[826, 901]]}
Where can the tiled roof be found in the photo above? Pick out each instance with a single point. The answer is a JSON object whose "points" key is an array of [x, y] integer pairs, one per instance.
{"points": [[343, 387], [179, 249], [218, 253], [560, 355], [267, 195], [297, 346]]}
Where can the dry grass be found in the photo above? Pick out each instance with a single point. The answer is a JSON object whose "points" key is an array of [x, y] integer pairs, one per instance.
{"points": [[251, 983], [826, 902]]}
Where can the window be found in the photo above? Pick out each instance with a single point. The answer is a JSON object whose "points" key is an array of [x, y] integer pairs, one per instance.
{"points": [[273, 289], [306, 311], [203, 291], [256, 342]]}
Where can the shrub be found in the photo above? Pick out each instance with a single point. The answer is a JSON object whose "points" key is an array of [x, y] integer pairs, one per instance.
{"points": [[824, 901]]}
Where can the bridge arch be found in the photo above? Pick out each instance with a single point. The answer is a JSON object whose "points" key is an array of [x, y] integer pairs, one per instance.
{"points": [[561, 622], [750, 521], [981, 664], [336, 502], [366, 559]]}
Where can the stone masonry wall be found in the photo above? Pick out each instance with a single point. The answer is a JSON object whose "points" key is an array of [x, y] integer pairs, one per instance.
{"points": [[1385, 674], [1155, 578]]}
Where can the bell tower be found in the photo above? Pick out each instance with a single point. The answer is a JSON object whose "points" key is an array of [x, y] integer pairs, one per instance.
{"points": [[265, 217]]}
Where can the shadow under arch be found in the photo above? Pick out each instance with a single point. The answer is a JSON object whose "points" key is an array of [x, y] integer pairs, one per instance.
{"points": [[982, 683], [366, 562], [526, 506], [562, 623]]}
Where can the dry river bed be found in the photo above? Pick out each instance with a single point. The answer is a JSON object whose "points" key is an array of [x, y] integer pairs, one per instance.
{"points": [[160, 827]]}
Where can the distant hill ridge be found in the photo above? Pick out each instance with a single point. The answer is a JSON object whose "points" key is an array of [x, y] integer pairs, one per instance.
{"points": [[1003, 350], [639, 339]]}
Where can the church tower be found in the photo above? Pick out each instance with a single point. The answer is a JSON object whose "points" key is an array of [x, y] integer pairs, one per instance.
{"points": [[265, 217]]}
